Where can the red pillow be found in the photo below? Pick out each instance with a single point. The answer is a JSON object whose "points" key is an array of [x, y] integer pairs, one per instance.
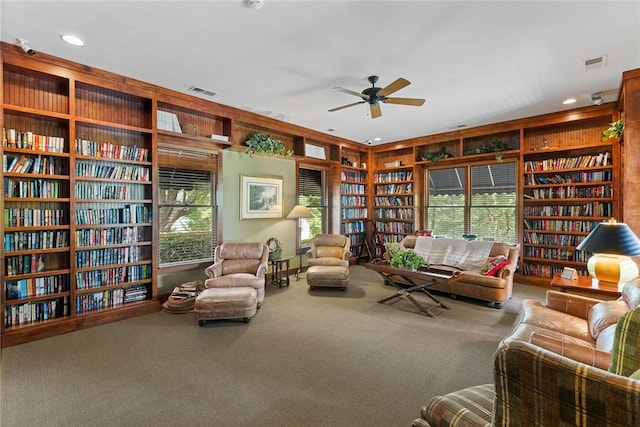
{"points": [[492, 268]]}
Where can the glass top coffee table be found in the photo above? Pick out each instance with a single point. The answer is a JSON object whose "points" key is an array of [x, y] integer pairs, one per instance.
{"points": [[406, 282]]}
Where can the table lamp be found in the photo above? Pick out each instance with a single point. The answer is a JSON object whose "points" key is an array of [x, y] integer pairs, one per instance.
{"points": [[299, 211], [612, 243]]}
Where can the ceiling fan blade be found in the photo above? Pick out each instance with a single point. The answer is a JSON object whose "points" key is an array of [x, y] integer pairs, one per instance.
{"points": [[348, 105], [404, 101], [375, 110], [353, 92], [393, 87]]}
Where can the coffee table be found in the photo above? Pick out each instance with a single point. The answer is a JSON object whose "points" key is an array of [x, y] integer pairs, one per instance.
{"points": [[406, 282]]}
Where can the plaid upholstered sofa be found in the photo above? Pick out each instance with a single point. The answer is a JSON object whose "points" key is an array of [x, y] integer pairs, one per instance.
{"points": [[537, 387]]}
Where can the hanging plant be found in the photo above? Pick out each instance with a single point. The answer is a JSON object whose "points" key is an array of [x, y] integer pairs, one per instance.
{"points": [[434, 156], [614, 131], [266, 144]]}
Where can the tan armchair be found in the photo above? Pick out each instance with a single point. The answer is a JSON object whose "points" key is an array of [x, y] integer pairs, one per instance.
{"points": [[239, 265], [329, 250]]}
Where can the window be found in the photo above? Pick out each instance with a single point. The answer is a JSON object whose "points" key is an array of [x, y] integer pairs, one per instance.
{"points": [[186, 207], [477, 199], [312, 194]]}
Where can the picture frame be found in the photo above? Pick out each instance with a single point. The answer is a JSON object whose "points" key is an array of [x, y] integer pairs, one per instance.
{"points": [[569, 273], [260, 197]]}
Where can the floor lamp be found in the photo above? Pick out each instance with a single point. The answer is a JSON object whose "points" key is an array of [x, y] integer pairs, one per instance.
{"points": [[299, 211]]}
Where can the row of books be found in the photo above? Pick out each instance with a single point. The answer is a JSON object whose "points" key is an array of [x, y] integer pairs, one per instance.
{"points": [[394, 188], [47, 165], [22, 241], [106, 191], [395, 227], [402, 213], [24, 264], [112, 171], [352, 188], [109, 150], [109, 236], [394, 201], [552, 239], [36, 286], [35, 188], [128, 215], [135, 293], [548, 271], [27, 217], [107, 256], [570, 192], [604, 209], [353, 200], [352, 176], [587, 161], [392, 176], [351, 213], [98, 300], [356, 239], [112, 276], [559, 254], [34, 312], [352, 227], [569, 178], [28, 140], [559, 225]]}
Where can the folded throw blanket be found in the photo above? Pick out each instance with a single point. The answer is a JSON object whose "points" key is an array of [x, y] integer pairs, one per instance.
{"points": [[457, 253]]}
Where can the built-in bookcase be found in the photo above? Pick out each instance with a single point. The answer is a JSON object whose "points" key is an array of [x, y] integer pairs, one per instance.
{"points": [[394, 201]]}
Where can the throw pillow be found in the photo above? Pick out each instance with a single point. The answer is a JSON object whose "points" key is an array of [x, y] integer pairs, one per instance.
{"points": [[604, 314], [625, 355], [493, 265]]}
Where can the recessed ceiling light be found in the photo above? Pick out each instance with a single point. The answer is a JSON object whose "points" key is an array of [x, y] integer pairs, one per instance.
{"points": [[377, 138], [569, 101], [71, 39]]}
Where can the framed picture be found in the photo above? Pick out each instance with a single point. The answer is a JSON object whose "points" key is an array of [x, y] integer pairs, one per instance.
{"points": [[260, 197]]}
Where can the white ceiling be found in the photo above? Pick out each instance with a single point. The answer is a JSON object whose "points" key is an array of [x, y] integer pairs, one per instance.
{"points": [[475, 62]]}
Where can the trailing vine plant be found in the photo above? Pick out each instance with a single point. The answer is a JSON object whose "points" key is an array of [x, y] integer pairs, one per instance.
{"points": [[266, 144]]}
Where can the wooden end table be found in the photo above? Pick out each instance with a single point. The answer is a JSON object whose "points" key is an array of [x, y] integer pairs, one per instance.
{"points": [[280, 271], [586, 284]]}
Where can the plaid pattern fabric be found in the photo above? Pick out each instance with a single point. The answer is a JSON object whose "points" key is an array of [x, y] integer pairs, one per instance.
{"points": [[625, 355], [470, 407], [535, 387]]}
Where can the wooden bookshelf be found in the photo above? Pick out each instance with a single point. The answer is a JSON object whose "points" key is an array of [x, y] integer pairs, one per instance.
{"points": [[354, 190]]}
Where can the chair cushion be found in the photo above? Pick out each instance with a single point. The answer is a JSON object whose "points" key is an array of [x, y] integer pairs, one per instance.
{"points": [[471, 406], [625, 355], [605, 314]]}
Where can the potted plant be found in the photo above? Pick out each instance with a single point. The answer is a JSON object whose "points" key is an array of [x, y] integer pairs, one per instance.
{"points": [[614, 131], [266, 144], [434, 156], [407, 259], [493, 145], [275, 248]]}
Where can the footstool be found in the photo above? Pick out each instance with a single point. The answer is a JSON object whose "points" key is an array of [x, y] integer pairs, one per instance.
{"points": [[328, 276], [226, 303]]}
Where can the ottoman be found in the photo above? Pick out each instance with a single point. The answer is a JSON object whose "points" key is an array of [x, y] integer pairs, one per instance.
{"points": [[328, 276], [226, 303]]}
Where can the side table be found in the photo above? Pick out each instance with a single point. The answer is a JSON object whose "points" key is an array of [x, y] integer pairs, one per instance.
{"points": [[585, 284], [280, 271]]}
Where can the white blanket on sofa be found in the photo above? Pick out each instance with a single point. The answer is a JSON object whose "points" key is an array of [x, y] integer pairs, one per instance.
{"points": [[457, 253]]}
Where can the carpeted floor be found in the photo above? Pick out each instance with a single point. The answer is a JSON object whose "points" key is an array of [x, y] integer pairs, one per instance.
{"points": [[309, 358]]}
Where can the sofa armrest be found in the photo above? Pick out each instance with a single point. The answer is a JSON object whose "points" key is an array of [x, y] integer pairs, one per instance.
{"points": [[576, 305], [214, 270], [534, 386], [582, 353]]}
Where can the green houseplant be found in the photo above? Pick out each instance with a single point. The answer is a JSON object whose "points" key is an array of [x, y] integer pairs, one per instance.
{"points": [[436, 155], [407, 259], [266, 144], [493, 145], [614, 131]]}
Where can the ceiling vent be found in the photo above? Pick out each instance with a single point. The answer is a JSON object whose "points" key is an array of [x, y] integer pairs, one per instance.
{"points": [[595, 63], [202, 91]]}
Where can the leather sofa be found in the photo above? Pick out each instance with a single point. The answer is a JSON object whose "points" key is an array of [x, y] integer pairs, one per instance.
{"points": [[474, 284], [579, 327]]}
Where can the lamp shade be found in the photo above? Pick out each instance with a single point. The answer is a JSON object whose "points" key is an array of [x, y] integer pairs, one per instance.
{"points": [[615, 238], [299, 211], [612, 243]]}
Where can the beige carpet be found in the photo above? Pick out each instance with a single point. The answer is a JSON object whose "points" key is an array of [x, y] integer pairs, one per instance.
{"points": [[309, 358]]}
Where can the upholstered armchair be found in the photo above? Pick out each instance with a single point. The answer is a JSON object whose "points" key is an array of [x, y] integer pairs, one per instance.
{"points": [[239, 265], [329, 250]]}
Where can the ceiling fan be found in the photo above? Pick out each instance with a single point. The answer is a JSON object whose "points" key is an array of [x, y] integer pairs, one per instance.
{"points": [[375, 95]]}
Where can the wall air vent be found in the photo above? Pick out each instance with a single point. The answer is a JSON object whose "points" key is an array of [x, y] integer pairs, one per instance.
{"points": [[202, 91], [595, 63]]}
